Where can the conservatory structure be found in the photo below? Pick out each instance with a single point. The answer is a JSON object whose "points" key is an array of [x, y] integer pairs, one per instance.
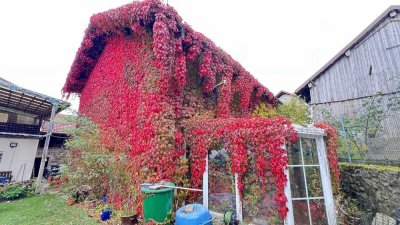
{"points": [[308, 187]]}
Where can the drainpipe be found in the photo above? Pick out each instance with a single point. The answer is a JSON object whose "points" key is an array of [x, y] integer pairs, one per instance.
{"points": [[45, 149]]}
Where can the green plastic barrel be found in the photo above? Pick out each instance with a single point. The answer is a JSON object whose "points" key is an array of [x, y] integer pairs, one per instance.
{"points": [[157, 203]]}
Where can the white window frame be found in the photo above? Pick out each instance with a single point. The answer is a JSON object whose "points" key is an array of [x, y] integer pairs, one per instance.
{"points": [[302, 132], [318, 135], [237, 195]]}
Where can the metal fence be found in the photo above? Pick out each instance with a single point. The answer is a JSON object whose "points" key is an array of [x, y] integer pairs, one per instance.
{"points": [[379, 147]]}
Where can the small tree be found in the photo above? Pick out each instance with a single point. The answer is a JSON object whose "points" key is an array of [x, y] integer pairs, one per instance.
{"points": [[296, 109], [91, 163]]}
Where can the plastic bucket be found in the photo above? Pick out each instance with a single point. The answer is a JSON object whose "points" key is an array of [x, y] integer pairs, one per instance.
{"points": [[157, 203]]}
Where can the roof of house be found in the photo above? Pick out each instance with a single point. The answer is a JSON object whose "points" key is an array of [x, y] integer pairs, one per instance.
{"points": [[349, 46], [18, 98], [283, 93], [61, 124], [4, 80], [142, 15]]}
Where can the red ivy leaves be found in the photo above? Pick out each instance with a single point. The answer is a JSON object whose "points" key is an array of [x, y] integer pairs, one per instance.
{"points": [[265, 136], [332, 147], [174, 43], [132, 72]]}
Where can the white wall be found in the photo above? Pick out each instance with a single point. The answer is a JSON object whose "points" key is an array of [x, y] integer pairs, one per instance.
{"points": [[20, 159]]}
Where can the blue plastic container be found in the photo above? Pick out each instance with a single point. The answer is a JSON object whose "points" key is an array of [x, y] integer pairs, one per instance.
{"points": [[199, 216], [105, 215], [3, 180]]}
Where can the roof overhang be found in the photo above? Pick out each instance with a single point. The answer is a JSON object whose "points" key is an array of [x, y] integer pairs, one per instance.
{"points": [[354, 42], [19, 99]]}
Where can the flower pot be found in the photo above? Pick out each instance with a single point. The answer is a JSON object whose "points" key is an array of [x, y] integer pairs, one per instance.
{"points": [[129, 220]]}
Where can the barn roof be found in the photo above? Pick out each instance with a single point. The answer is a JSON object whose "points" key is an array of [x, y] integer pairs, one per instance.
{"points": [[124, 21], [354, 42]]}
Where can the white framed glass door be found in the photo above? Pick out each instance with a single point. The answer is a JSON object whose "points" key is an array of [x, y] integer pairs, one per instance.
{"points": [[309, 192], [220, 190]]}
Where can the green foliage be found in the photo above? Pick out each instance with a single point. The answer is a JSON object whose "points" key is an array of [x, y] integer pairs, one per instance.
{"points": [[87, 164], [265, 111], [14, 191], [44, 210], [92, 164], [296, 110]]}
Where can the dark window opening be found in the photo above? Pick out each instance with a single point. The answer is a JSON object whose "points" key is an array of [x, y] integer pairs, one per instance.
{"points": [[56, 141]]}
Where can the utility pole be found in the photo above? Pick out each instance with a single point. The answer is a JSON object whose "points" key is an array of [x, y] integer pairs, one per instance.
{"points": [[45, 149]]}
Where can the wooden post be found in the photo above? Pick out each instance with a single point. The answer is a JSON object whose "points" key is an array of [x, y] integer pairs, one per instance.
{"points": [[45, 149]]}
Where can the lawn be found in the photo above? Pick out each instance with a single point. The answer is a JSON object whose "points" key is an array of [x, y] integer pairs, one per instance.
{"points": [[42, 209]]}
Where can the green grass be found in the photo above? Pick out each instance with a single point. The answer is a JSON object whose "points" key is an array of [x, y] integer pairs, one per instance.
{"points": [[42, 209]]}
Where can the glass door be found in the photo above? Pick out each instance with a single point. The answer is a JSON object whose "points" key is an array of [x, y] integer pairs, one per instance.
{"points": [[221, 182], [308, 180]]}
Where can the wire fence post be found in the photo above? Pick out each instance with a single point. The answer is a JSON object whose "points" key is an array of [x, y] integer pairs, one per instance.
{"points": [[345, 139]]}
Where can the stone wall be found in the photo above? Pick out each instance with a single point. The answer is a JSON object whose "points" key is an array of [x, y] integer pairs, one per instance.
{"points": [[377, 188], [57, 156]]}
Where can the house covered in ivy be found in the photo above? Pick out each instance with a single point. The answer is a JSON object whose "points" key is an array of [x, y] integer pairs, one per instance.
{"points": [[175, 106]]}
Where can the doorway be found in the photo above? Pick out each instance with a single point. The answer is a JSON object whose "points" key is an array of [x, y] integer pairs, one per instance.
{"points": [[36, 166]]}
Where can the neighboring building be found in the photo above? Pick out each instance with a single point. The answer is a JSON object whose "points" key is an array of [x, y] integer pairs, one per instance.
{"points": [[57, 154], [284, 96], [365, 67], [22, 113]]}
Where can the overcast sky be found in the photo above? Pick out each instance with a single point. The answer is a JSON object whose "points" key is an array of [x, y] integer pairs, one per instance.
{"points": [[282, 43]]}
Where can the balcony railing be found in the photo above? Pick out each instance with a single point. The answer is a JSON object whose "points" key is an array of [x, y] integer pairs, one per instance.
{"points": [[19, 128]]}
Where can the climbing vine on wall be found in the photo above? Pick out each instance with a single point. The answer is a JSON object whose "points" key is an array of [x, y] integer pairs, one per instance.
{"points": [[150, 82], [264, 137], [134, 73], [331, 149]]}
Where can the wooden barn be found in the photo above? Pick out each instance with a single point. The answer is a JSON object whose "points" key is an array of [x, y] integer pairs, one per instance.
{"points": [[368, 66]]}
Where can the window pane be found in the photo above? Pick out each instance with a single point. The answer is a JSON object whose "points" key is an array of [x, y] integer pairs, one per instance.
{"points": [[314, 183], [310, 153], [3, 117], [300, 212], [294, 154], [297, 183], [258, 201], [318, 214], [221, 182], [22, 119]]}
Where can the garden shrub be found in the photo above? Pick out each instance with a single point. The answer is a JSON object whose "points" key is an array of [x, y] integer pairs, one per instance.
{"points": [[296, 110], [14, 191]]}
